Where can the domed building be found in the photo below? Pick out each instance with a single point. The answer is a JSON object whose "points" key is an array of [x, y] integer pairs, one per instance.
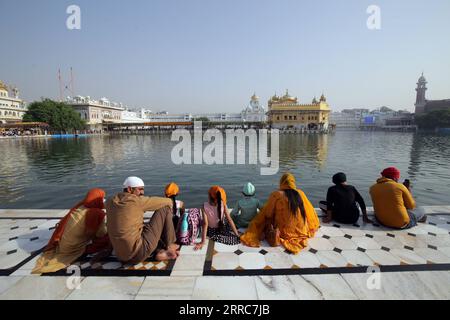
{"points": [[12, 109], [287, 113], [254, 112]]}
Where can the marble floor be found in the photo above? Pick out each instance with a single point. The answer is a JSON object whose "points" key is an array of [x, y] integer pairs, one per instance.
{"points": [[340, 262], [338, 248]]}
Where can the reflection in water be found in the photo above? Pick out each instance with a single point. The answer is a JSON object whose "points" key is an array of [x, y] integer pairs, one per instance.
{"points": [[57, 162], [55, 173], [14, 171], [414, 162], [429, 166], [301, 149]]}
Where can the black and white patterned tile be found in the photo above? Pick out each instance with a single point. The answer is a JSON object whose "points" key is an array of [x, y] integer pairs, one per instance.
{"points": [[343, 246], [21, 239]]}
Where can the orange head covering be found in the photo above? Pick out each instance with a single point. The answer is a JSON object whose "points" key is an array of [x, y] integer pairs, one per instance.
{"points": [[213, 193], [391, 173], [172, 189], [93, 200], [287, 182]]}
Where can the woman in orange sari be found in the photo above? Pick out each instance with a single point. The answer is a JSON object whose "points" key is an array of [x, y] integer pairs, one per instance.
{"points": [[291, 212], [81, 231]]}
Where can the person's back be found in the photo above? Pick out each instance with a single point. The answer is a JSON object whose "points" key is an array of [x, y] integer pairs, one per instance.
{"points": [[247, 207], [342, 200], [132, 240], [75, 234], [125, 223], [391, 200], [212, 214], [217, 222], [291, 212], [246, 210]]}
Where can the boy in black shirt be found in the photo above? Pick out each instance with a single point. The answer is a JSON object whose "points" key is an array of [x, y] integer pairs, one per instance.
{"points": [[341, 202]]}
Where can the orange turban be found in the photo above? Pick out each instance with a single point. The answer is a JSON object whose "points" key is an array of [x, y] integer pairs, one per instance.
{"points": [[172, 190], [213, 193], [92, 201]]}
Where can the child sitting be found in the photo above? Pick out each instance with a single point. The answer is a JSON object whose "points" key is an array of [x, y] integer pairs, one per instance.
{"points": [[217, 222], [246, 208]]}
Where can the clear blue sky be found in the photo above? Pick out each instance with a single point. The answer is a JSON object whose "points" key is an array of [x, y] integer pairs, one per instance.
{"points": [[211, 55]]}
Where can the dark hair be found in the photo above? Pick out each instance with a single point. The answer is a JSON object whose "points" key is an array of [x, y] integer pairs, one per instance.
{"points": [[339, 178], [174, 204], [295, 202], [219, 208]]}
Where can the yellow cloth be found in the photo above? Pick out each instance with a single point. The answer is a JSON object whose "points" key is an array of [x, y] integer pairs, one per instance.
{"points": [[391, 200], [294, 230], [72, 245]]}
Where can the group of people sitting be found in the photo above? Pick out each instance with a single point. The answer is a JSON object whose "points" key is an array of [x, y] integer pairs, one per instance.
{"points": [[97, 227], [393, 203]]}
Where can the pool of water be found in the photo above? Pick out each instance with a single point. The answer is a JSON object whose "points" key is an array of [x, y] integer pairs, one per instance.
{"points": [[57, 172]]}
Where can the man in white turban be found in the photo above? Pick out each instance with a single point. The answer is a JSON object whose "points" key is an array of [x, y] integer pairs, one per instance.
{"points": [[133, 240]]}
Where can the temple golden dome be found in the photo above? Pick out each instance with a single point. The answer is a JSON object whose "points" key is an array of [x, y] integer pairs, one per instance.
{"points": [[287, 97], [3, 86], [322, 98], [255, 97]]}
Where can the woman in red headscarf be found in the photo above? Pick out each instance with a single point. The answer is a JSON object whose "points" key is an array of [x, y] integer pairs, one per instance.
{"points": [[82, 230], [217, 222]]}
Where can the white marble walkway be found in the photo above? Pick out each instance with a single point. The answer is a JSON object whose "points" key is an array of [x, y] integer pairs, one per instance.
{"points": [[187, 281]]}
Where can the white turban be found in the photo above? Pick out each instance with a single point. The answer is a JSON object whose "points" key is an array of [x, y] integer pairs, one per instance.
{"points": [[133, 182]]}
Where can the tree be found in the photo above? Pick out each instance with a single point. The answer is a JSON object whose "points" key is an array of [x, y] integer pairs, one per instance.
{"points": [[58, 115], [434, 119], [204, 119]]}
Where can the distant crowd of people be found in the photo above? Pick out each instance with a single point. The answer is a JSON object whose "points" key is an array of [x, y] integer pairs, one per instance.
{"points": [[100, 227], [18, 133]]}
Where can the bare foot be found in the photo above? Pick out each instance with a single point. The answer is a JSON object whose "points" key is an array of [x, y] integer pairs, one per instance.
{"points": [[172, 254], [164, 255], [174, 247]]}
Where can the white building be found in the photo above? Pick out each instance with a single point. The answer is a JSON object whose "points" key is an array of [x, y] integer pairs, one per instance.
{"points": [[254, 112], [348, 118], [166, 117], [12, 108], [96, 112], [130, 116], [220, 117], [388, 119]]}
